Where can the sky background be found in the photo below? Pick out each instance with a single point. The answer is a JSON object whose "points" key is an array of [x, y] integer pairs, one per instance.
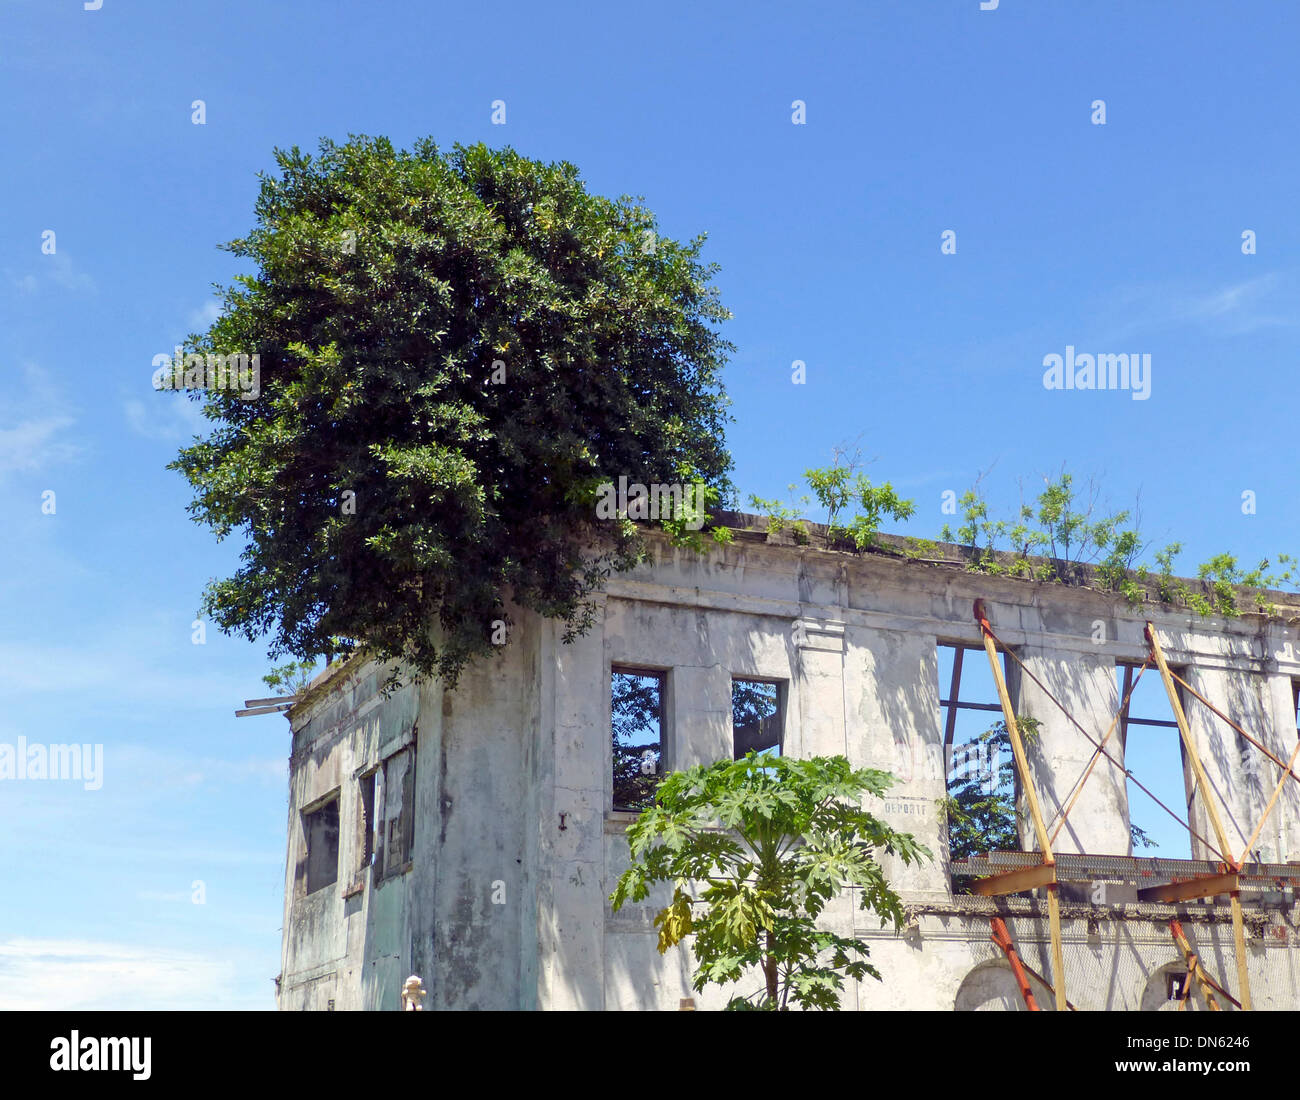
{"points": [[920, 118]]}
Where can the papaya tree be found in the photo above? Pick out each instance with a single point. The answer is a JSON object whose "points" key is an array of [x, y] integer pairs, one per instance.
{"points": [[756, 848]]}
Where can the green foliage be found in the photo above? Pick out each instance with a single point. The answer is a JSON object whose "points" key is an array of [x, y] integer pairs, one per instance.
{"points": [[1221, 579], [919, 548], [292, 677], [978, 531], [838, 487], [1058, 528], [456, 350], [755, 849], [980, 808], [780, 516], [1066, 533], [752, 702], [1141, 838], [1169, 588]]}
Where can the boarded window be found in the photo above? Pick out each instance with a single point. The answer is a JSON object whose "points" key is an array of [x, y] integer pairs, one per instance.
{"points": [[395, 814], [321, 828], [636, 734], [756, 717]]}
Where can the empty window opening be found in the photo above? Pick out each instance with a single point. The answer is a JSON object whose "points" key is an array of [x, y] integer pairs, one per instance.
{"points": [[977, 762], [321, 830], [1154, 753], [366, 823], [394, 812], [636, 736], [756, 717], [1176, 982]]}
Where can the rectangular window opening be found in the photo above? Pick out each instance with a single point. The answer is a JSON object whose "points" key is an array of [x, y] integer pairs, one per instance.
{"points": [[366, 824], [636, 736], [1154, 754], [757, 717], [979, 766], [394, 813], [321, 830]]}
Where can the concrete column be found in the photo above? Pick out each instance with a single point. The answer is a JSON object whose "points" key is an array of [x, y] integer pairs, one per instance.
{"points": [[819, 684], [1084, 682], [891, 687], [572, 887], [819, 690], [1235, 769], [1280, 838], [698, 726]]}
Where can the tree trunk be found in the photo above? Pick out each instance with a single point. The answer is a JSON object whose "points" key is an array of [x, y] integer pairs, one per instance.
{"points": [[769, 969]]}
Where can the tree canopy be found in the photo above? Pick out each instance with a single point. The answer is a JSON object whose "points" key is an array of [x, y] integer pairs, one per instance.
{"points": [[456, 350]]}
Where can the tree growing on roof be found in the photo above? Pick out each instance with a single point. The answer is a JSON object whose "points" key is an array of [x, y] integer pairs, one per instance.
{"points": [[456, 350]]}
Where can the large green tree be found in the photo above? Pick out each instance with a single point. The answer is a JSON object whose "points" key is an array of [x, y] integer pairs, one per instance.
{"points": [[456, 350], [756, 848]]}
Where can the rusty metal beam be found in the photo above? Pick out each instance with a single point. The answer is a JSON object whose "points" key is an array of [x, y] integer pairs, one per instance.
{"points": [[1207, 887], [1194, 966], [1013, 882], [1002, 938]]}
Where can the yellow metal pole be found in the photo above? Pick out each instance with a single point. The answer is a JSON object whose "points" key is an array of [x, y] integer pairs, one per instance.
{"points": [[1031, 796], [1225, 848], [1194, 968], [1239, 938]]}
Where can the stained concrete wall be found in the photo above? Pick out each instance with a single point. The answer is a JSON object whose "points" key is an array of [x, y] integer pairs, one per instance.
{"points": [[517, 850]]}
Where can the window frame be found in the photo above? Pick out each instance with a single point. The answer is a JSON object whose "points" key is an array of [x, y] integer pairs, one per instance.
{"points": [[782, 695], [662, 674], [1126, 720], [305, 815], [385, 868], [949, 707]]}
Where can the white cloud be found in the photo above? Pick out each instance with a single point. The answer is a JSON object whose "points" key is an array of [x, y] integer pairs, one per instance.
{"points": [[168, 417], [1235, 309], [34, 444], [58, 271], [48, 974], [34, 422], [201, 319]]}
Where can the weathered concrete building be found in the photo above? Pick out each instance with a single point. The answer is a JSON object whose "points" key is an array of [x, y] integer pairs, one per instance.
{"points": [[471, 836]]}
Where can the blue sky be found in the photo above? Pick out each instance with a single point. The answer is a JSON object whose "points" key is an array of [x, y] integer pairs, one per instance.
{"points": [[920, 118]]}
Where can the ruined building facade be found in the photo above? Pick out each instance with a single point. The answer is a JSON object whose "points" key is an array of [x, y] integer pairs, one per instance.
{"points": [[471, 836]]}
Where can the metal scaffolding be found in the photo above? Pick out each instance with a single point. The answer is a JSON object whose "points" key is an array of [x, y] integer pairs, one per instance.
{"points": [[1000, 873]]}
